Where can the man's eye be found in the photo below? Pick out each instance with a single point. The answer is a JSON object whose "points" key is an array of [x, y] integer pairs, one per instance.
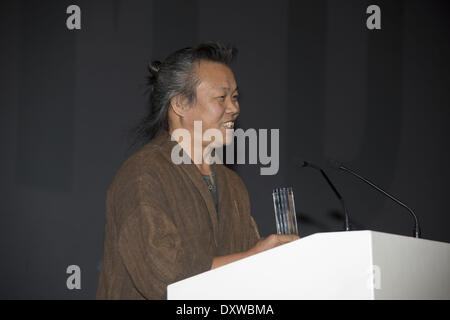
{"points": [[222, 97], [236, 97]]}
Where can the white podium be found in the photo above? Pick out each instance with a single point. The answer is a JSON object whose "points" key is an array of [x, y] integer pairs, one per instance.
{"points": [[334, 265]]}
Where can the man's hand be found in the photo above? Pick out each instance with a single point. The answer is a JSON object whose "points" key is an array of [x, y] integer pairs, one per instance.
{"points": [[263, 244], [272, 241]]}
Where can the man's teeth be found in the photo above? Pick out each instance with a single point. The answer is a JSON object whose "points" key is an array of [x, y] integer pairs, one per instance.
{"points": [[229, 124]]}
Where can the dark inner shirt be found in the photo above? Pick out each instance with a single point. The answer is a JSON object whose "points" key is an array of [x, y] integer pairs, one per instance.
{"points": [[212, 187]]}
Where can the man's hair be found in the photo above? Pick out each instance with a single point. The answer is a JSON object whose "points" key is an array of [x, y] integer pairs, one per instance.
{"points": [[172, 77]]}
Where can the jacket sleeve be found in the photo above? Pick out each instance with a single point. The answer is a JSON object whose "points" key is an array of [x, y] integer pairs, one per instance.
{"points": [[254, 235], [150, 244]]}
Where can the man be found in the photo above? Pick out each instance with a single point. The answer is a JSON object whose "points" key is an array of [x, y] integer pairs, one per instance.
{"points": [[167, 221]]}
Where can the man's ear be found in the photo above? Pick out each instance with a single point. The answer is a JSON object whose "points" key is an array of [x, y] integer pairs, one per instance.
{"points": [[179, 105]]}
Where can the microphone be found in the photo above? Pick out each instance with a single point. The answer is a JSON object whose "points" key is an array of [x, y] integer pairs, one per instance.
{"points": [[338, 195], [339, 166]]}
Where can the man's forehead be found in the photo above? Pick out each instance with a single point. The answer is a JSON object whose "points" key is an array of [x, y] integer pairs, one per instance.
{"points": [[207, 85], [227, 89], [216, 76]]}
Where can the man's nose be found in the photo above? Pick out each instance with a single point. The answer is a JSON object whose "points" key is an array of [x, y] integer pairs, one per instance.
{"points": [[233, 107]]}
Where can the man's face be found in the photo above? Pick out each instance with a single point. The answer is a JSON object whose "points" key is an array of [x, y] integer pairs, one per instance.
{"points": [[217, 103]]}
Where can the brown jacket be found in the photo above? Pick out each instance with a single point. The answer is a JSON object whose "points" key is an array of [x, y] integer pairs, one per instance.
{"points": [[162, 225]]}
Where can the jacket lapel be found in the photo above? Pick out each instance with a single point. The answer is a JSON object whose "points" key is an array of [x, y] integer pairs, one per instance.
{"points": [[194, 174]]}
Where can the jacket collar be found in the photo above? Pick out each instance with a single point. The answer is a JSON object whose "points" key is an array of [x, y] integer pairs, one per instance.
{"points": [[163, 140]]}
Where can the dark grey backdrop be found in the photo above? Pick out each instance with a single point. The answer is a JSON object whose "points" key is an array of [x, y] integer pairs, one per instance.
{"points": [[377, 100]]}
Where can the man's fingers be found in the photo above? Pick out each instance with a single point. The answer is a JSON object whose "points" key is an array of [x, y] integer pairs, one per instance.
{"points": [[284, 238], [289, 237]]}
